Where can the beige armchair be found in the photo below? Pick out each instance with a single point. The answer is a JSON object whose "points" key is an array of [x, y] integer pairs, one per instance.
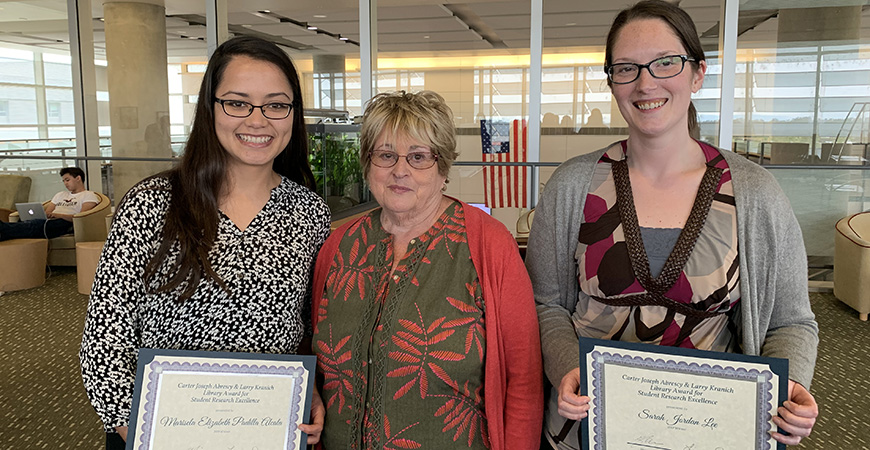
{"points": [[88, 226], [13, 189], [852, 262]]}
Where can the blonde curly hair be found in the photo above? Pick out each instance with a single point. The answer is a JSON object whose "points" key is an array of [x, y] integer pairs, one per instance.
{"points": [[423, 116]]}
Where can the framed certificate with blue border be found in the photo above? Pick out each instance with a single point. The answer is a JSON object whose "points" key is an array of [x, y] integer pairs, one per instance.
{"points": [[208, 400], [650, 397]]}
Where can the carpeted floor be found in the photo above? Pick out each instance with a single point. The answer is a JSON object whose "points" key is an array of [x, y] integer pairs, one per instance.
{"points": [[42, 401], [43, 404]]}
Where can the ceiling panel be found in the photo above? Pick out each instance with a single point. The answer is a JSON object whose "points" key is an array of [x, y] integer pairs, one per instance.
{"points": [[415, 47], [599, 32], [336, 49], [420, 25], [489, 9], [35, 26], [579, 19], [402, 24], [250, 18], [412, 12], [332, 14], [316, 40], [509, 21], [449, 36], [288, 30], [342, 28]]}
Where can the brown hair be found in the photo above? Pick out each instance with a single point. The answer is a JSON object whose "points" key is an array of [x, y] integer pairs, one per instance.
{"points": [[424, 117], [676, 18], [192, 216]]}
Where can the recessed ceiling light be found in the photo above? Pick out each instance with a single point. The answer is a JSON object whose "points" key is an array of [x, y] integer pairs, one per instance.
{"points": [[319, 16], [426, 37], [246, 25], [311, 27], [342, 39], [570, 24]]}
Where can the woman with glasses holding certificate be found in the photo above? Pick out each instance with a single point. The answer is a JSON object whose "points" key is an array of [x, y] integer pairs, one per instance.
{"points": [[217, 253], [425, 326], [663, 239]]}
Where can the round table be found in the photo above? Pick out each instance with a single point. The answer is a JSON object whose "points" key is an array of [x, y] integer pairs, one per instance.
{"points": [[22, 264], [87, 257]]}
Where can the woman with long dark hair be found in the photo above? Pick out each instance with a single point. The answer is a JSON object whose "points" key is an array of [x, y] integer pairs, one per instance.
{"points": [[217, 253]]}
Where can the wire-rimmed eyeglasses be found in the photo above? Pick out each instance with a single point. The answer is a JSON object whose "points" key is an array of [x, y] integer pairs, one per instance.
{"points": [[664, 67], [241, 109], [417, 160]]}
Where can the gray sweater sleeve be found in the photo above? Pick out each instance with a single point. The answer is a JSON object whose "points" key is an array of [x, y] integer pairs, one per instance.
{"points": [[551, 265], [777, 320]]}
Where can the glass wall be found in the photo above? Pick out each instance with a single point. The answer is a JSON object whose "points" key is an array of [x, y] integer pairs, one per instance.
{"points": [[37, 116], [802, 98]]}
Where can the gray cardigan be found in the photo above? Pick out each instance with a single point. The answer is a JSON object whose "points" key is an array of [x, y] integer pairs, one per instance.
{"points": [[776, 317]]}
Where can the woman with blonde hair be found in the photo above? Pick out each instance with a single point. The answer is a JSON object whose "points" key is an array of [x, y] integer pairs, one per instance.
{"points": [[425, 327]]}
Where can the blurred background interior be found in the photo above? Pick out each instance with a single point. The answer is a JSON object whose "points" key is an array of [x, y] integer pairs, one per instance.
{"points": [[111, 86]]}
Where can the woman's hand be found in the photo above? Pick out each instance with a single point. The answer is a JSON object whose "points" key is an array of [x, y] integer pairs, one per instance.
{"points": [[571, 404], [122, 431], [797, 415], [318, 413]]}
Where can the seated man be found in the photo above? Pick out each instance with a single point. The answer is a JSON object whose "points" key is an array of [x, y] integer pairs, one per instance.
{"points": [[60, 211]]}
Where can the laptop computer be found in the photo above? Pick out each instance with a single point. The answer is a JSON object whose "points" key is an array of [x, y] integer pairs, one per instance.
{"points": [[30, 211]]}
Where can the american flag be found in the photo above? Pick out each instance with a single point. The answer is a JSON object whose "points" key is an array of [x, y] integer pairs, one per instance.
{"points": [[504, 186]]}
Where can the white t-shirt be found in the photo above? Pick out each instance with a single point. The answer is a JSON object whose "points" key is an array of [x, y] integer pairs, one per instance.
{"points": [[68, 203]]}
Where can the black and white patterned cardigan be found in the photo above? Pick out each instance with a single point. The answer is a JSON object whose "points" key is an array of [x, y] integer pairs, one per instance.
{"points": [[267, 268]]}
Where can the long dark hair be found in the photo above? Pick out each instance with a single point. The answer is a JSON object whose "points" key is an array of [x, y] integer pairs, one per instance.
{"points": [[676, 18], [196, 183]]}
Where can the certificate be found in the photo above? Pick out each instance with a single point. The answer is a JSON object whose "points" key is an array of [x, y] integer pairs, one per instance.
{"points": [[190, 400], [649, 397]]}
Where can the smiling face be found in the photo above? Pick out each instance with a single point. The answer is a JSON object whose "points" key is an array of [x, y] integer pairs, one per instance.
{"points": [[654, 107], [402, 189], [253, 140]]}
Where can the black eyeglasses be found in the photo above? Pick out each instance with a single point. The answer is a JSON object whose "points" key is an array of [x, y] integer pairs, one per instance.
{"points": [[240, 109], [664, 67], [417, 160]]}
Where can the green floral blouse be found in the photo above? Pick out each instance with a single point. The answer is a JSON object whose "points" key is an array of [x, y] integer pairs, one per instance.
{"points": [[401, 355]]}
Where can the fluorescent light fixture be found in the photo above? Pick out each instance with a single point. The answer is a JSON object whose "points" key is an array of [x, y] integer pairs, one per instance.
{"points": [[311, 27]]}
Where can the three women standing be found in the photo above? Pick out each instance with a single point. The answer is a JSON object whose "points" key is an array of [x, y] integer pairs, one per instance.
{"points": [[424, 324]]}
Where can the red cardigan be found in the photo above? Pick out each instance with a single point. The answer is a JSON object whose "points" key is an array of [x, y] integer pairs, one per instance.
{"points": [[513, 374]]}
